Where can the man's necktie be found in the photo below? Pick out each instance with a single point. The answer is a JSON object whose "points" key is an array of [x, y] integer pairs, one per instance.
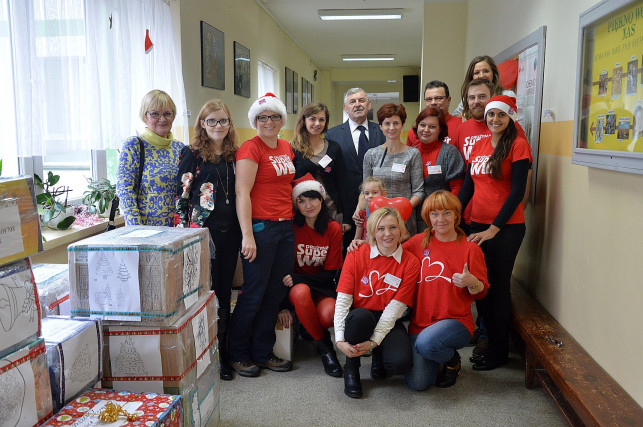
{"points": [[362, 144]]}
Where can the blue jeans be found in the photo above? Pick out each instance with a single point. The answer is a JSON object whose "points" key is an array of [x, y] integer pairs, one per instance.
{"points": [[251, 335], [434, 345]]}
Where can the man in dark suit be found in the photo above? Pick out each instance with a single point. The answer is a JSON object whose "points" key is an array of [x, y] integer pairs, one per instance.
{"points": [[355, 137]]}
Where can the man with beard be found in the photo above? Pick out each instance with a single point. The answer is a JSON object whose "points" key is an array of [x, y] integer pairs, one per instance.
{"points": [[355, 137]]}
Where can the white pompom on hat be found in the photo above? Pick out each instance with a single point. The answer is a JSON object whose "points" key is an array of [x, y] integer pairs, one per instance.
{"points": [[268, 102], [503, 103], [306, 183]]}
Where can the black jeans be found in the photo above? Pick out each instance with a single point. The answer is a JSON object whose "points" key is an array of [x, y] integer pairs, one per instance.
{"points": [[223, 266], [395, 347], [500, 255]]}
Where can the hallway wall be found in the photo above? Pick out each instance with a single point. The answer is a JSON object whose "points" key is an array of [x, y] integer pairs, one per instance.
{"points": [[581, 257]]}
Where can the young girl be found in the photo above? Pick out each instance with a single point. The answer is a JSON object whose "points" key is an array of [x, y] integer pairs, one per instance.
{"points": [[371, 188]]}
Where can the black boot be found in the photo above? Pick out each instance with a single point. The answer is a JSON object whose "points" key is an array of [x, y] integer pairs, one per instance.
{"points": [[328, 356], [378, 370], [352, 383], [450, 372]]}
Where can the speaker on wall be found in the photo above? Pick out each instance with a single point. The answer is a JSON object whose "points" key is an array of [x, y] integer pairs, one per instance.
{"points": [[411, 88]]}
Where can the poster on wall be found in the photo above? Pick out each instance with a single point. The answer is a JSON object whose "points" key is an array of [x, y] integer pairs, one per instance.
{"points": [[526, 89], [609, 106], [212, 57]]}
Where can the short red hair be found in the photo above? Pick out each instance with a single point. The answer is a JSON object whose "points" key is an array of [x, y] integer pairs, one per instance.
{"points": [[389, 110]]}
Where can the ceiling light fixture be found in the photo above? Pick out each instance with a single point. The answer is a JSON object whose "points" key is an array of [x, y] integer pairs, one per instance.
{"points": [[354, 14], [375, 57]]}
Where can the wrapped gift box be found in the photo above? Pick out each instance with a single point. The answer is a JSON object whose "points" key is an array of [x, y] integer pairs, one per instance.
{"points": [[19, 222], [151, 409], [164, 360], [74, 355], [201, 401], [25, 397], [151, 275], [19, 307], [52, 281]]}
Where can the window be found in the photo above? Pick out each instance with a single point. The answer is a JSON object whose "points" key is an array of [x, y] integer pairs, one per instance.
{"points": [[83, 71], [267, 79]]}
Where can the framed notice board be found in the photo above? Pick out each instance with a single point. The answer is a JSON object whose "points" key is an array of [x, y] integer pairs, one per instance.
{"points": [[608, 121]]}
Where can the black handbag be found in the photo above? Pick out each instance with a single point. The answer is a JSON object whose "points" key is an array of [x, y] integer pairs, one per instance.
{"points": [[137, 184]]}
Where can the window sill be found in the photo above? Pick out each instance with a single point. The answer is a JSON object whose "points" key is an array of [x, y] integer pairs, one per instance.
{"points": [[56, 241]]}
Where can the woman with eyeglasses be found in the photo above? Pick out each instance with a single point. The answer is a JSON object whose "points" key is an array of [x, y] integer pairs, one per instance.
{"points": [[264, 205], [150, 201], [206, 198], [317, 156]]}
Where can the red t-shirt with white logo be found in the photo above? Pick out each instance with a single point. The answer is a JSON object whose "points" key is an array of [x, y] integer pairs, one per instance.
{"points": [[314, 252], [271, 194], [490, 194], [373, 283], [469, 133], [437, 298]]}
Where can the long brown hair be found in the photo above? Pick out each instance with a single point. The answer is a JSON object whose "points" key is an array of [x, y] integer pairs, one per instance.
{"points": [[502, 149], [300, 141], [441, 200], [497, 89], [201, 141]]}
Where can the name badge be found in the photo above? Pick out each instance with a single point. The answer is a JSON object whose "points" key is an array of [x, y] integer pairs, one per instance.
{"points": [[397, 167], [325, 161], [392, 280], [434, 170]]}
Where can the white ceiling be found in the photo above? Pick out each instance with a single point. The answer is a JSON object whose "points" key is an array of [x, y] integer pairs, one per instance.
{"points": [[326, 41]]}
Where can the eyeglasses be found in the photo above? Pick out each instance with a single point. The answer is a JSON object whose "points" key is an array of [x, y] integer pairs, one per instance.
{"points": [[274, 118], [435, 98], [212, 122], [168, 115]]}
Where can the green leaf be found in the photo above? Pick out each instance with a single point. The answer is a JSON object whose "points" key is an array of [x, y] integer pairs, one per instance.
{"points": [[47, 216], [66, 223], [37, 179], [42, 198], [59, 207], [53, 179]]}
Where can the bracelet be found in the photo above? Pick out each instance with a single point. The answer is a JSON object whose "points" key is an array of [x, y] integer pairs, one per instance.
{"points": [[474, 286]]}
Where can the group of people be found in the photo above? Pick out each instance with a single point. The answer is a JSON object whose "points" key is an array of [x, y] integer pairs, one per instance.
{"points": [[298, 215]]}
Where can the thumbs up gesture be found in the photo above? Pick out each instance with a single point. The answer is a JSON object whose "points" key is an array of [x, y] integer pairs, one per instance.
{"points": [[464, 279]]}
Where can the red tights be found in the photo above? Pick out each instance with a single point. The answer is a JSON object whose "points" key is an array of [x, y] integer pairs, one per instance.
{"points": [[314, 312]]}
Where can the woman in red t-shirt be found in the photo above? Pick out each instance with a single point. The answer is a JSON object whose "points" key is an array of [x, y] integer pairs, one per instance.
{"points": [[376, 286], [318, 258], [264, 171], [495, 184], [452, 274]]}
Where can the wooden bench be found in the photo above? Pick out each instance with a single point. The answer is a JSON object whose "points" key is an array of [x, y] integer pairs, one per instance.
{"points": [[583, 392]]}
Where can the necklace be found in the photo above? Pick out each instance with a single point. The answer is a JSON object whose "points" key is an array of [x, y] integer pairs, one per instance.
{"points": [[225, 190]]}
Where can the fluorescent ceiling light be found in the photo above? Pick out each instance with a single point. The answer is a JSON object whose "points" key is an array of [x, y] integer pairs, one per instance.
{"points": [[353, 14], [375, 57]]}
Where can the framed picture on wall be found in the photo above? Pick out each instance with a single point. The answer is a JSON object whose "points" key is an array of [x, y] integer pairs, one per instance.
{"points": [[241, 70], [212, 57], [295, 92], [289, 90], [608, 122]]}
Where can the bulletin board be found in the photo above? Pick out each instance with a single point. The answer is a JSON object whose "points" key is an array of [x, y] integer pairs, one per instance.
{"points": [[608, 125], [529, 55]]}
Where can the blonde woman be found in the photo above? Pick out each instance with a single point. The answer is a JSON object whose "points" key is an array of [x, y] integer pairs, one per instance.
{"points": [[376, 286], [152, 201]]}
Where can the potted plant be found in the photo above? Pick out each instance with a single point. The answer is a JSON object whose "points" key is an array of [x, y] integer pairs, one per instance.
{"points": [[52, 208], [99, 195]]}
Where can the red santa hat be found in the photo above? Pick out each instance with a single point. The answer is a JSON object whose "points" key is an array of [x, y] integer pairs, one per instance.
{"points": [[268, 102], [306, 183], [503, 103]]}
